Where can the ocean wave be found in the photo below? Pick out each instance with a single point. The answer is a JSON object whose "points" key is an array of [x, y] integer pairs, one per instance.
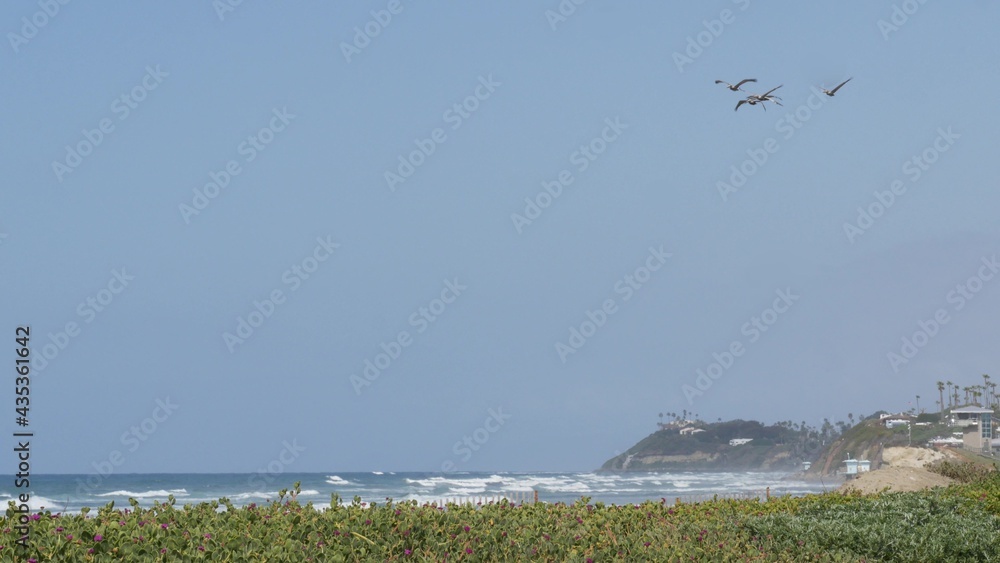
{"points": [[146, 494], [38, 503], [336, 480]]}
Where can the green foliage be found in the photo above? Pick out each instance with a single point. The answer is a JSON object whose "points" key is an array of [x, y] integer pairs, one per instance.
{"points": [[964, 472], [889, 527], [955, 524]]}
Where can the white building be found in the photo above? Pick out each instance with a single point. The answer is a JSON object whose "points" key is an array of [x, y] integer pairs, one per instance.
{"points": [[977, 426]]}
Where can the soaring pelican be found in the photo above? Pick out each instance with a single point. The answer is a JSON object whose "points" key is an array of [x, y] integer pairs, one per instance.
{"points": [[736, 88], [766, 96], [834, 91], [750, 100]]}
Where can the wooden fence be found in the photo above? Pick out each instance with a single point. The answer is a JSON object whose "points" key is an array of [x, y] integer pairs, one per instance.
{"points": [[513, 497], [707, 497], [531, 497]]}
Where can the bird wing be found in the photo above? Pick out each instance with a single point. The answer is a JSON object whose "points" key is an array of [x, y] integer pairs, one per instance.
{"points": [[834, 91], [739, 103], [742, 82], [764, 95], [723, 82]]}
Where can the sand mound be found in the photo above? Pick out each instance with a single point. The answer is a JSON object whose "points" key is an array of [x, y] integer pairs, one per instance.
{"points": [[896, 479], [910, 457]]}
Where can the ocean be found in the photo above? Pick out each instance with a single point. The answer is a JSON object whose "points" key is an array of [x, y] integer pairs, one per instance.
{"points": [[70, 493]]}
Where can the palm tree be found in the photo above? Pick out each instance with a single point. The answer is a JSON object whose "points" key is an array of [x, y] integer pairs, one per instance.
{"points": [[940, 386], [986, 388], [918, 404], [950, 404], [955, 391]]}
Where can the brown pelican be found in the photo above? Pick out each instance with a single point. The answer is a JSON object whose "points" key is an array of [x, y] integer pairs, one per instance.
{"points": [[834, 91], [766, 96], [752, 101], [736, 88]]}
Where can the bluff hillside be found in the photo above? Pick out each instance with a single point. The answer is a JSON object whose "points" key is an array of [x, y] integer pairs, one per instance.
{"points": [[707, 447]]}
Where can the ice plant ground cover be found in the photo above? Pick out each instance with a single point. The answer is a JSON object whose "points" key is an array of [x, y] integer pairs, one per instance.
{"points": [[959, 523]]}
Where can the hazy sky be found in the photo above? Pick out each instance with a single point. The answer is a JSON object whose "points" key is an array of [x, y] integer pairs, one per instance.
{"points": [[213, 219]]}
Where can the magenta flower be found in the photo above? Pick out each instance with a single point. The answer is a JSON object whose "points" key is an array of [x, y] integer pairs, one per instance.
{"points": [[59, 529], [98, 537], [201, 548], [69, 536], [407, 551], [466, 528], [163, 550], [36, 516], [208, 536], [164, 526], [468, 550]]}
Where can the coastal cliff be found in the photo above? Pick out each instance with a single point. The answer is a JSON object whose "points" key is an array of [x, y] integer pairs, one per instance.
{"points": [[736, 445]]}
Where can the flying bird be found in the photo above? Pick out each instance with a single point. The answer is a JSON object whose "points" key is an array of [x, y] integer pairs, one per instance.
{"points": [[750, 100], [834, 91], [754, 99], [766, 96], [736, 88]]}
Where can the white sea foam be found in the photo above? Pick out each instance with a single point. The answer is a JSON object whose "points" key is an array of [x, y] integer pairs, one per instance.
{"points": [[160, 493], [336, 480], [37, 503]]}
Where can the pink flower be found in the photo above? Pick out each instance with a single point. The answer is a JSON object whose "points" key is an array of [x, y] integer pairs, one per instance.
{"points": [[98, 537], [164, 526]]}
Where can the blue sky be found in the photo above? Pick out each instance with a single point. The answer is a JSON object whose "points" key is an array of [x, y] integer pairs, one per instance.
{"points": [[485, 302]]}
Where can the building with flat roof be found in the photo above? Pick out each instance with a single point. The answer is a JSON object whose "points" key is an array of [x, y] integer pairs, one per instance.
{"points": [[977, 426]]}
